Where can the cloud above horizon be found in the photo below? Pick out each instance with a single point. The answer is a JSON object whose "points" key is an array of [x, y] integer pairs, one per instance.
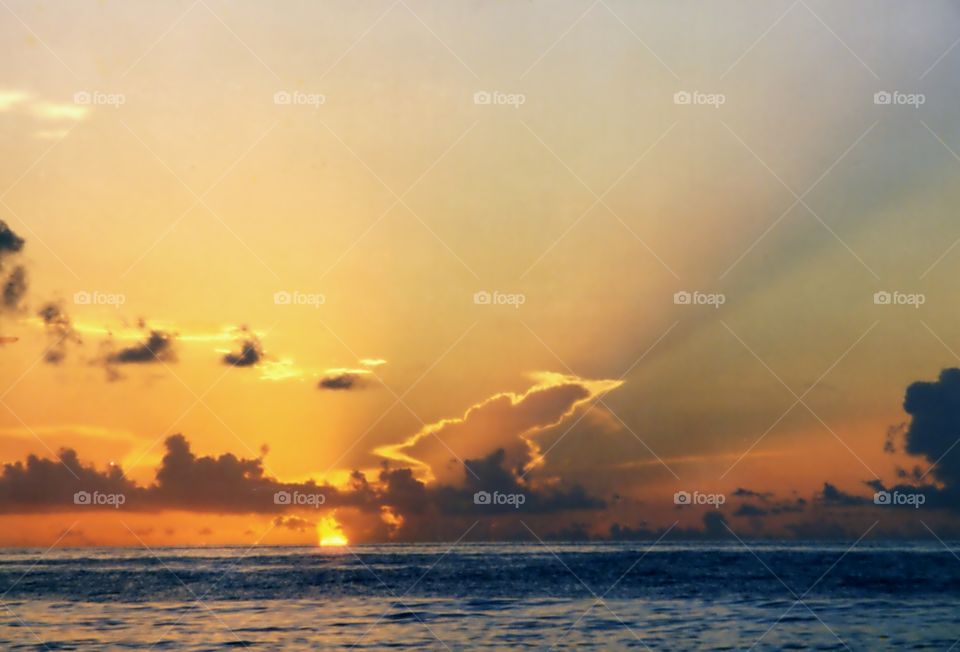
{"points": [[508, 420], [228, 484]]}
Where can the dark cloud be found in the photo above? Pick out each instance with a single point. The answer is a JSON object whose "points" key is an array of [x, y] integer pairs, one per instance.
{"points": [[714, 527], [769, 504], [490, 474], [228, 484], [15, 283], [343, 381], [158, 347], [934, 429], [932, 433], [746, 509], [749, 493], [831, 495], [10, 242], [43, 485], [715, 524], [249, 355], [14, 288], [894, 433], [59, 331], [183, 481], [788, 507]]}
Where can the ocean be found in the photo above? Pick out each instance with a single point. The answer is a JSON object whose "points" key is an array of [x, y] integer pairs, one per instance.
{"points": [[671, 596]]}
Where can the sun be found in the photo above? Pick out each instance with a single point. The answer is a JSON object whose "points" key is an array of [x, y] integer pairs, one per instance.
{"points": [[329, 533]]}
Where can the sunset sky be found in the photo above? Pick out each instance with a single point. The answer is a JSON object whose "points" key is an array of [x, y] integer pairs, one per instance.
{"points": [[166, 194]]}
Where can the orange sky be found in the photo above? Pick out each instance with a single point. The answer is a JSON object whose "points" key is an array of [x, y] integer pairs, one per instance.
{"points": [[160, 186]]}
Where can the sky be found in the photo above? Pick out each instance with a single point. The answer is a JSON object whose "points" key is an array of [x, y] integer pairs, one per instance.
{"points": [[601, 255]]}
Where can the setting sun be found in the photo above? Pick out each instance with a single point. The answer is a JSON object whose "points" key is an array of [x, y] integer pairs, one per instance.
{"points": [[329, 533]]}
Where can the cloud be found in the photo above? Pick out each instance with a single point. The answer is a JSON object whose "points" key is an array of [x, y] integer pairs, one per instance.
{"points": [[933, 433], [342, 381], [14, 288], [250, 354], [42, 485], [59, 330], [10, 242], [294, 523], [227, 484], [768, 504], [831, 495], [934, 428], [507, 421], [749, 493], [713, 528], [158, 347], [746, 509]]}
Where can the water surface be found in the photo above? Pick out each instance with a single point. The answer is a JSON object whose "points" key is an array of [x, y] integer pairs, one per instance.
{"points": [[496, 596]]}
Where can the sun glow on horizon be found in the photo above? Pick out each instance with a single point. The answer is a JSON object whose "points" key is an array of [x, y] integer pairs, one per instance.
{"points": [[330, 534]]}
